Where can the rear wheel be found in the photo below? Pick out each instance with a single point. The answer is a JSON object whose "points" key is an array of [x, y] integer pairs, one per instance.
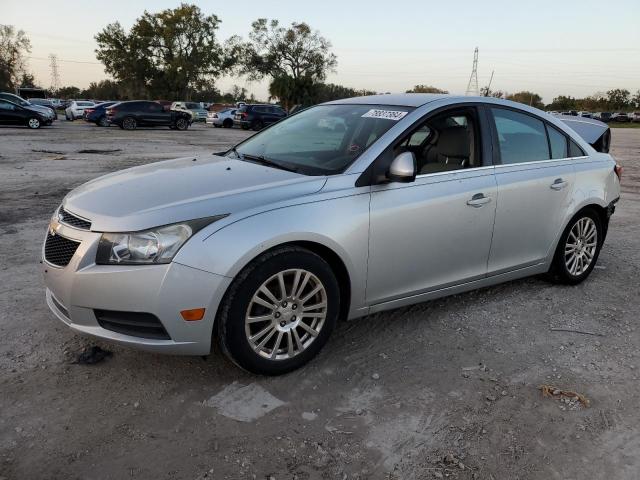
{"points": [[257, 125], [279, 311], [129, 123], [182, 124], [103, 122], [228, 123], [578, 249], [33, 123]]}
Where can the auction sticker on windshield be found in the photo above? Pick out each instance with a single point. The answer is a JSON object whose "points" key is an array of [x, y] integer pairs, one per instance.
{"points": [[394, 115]]}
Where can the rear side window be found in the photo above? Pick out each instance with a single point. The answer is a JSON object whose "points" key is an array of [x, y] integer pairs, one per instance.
{"points": [[575, 150], [558, 143], [522, 138]]}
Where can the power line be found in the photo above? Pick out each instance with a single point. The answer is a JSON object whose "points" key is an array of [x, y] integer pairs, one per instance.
{"points": [[65, 61]]}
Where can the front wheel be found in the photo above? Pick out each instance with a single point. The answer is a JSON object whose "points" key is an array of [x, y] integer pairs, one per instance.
{"points": [[257, 125], [103, 122], [182, 124], [33, 123], [129, 123], [279, 311], [578, 249]]}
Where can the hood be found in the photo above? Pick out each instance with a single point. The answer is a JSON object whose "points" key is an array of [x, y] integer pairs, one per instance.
{"points": [[184, 189], [46, 111]]}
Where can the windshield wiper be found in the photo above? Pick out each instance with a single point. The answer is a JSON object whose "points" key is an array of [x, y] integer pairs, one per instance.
{"points": [[261, 159]]}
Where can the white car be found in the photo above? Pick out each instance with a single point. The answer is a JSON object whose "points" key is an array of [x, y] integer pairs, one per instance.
{"points": [[223, 118], [76, 109]]}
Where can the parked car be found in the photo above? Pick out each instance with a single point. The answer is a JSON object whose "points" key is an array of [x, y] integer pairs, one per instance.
{"points": [[48, 114], [585, 114], [223, 118], [258, 116], [76, 108], [265, 247], [635, 116], [620, 117], [132, 114], [44, 102], [98, 114], [14, 114], [603, 116], [198, 113]]}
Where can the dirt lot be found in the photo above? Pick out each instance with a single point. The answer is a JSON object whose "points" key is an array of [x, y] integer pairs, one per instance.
{"points": [[446, 389]]}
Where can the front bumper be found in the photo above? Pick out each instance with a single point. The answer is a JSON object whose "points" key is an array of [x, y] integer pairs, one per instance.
{"points": [[75, 291]]}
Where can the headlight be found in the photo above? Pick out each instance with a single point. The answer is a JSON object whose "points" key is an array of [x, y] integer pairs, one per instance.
{"points": [[156, 245]]}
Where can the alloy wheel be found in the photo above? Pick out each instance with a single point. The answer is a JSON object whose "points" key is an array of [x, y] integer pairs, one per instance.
{"points": [[580, 248], [34, 123], [286, 314]]}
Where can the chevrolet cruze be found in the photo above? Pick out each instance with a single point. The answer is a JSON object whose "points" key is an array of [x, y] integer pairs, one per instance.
{"points": [[344, 209]]}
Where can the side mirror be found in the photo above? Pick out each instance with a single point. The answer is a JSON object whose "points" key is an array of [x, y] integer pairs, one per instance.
{"points": [[403, 168]]}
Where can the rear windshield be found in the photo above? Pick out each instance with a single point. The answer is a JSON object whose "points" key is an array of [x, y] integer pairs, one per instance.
{"points": [[192, 105], [322, 140], [84, 104]]}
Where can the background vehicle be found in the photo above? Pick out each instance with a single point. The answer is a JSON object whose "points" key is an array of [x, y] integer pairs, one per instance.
{"points": [[98, 114], [585, 114], [345, 209], [76, 109], [13, 114], [258, 116], [635, 116], [198, 113], [129, 115], [620, 117], [48, 114], [603, 116], [223, 118]]}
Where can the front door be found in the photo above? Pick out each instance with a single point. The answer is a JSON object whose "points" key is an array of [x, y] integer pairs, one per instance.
{"points": [[436, 231]]}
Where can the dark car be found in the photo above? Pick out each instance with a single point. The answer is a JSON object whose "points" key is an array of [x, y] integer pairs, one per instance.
{"points": [[603, 116], [13, 114], [49, 114], [44, 102], [144, 113], [98, 114], [258, 116]]}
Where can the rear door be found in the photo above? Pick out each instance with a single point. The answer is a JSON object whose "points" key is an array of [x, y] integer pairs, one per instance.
{"points": [[11, 114], [436, 231], [535, 178], [156, 115]]}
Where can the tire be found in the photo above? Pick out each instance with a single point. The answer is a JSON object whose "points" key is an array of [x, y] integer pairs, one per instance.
{"points": [[129, 123], [245, 127], [279, 324], [257, 125], [584, 232], [182, 124], [103, 122], [34, 123], [66, 115], [227, 123], [215, 126]]}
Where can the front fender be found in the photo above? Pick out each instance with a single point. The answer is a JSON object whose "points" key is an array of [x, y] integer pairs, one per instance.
{"points": [[340, 224]]}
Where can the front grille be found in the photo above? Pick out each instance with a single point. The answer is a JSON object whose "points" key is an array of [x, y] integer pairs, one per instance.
{"points": [[72, 220], [59, 250], [145, 325]]}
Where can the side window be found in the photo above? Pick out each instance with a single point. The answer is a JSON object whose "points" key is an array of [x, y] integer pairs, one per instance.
{"points": [[6, 106], [154, 108], [522, 138], [575, 150], [449, 141], [558, 142]]}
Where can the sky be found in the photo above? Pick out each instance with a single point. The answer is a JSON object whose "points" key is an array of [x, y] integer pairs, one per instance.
{"points": [[560, 47]]}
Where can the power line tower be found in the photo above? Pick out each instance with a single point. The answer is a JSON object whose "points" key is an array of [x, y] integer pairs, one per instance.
{"points": [[55, 76], [472, 86]]}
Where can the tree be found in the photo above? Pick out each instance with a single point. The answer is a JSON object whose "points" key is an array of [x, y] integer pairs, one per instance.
{"points": [[526, 97], [27, 81], [636, 99], [426, 89], [167, 54], [104, 90], [14, 46], [563, 103], [296, 58], [619, 99], [67, 92]]}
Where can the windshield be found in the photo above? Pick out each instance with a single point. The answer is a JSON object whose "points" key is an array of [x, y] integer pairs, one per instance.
{"points": [[193, 106], [321, 140]]}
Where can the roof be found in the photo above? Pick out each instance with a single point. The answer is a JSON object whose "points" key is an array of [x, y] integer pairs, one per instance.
{"points": [[397, 99]]}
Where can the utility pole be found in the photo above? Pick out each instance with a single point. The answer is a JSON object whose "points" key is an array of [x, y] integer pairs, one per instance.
{"points": [[472, 87], [488, 90], [55, 76]]}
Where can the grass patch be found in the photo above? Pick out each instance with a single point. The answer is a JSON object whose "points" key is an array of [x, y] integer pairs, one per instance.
{"points": [[624, 125]]}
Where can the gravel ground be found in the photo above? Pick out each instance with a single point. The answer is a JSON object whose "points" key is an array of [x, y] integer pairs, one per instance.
{"points": [[445, 389]]}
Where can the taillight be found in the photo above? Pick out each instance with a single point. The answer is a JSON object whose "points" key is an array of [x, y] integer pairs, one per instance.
{"points": [[110, 111], [244, 114], [618, 169]]}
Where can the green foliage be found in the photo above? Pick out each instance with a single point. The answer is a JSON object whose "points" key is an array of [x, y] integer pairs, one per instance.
{"points": [[27, 81], [67, 92], [615, 100], [528, 98], [14, 46], [168, 54], [426, 89]]}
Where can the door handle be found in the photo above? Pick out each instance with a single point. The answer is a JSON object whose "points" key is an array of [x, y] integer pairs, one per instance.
{"points": [[478, 200], [559, 184]]}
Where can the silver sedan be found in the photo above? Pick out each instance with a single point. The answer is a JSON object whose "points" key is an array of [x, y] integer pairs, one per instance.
{"points": [[342, 210]]}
